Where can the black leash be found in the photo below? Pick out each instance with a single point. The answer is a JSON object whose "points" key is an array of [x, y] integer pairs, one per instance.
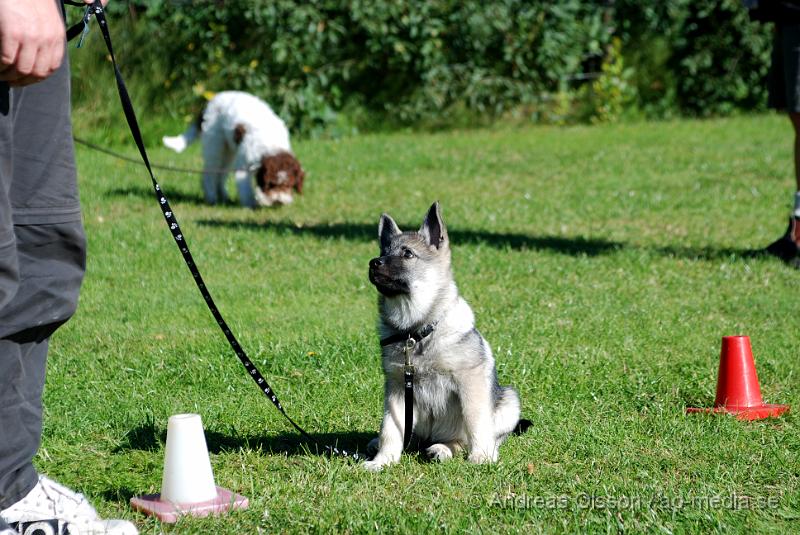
{"points": [[408, 387], [96, 9], [410, 339]]}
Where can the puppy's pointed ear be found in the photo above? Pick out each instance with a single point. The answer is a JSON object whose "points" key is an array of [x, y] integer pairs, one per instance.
{"points": [[433, 229], [387, 228]]}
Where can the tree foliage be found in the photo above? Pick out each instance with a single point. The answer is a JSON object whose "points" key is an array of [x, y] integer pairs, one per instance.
{"points": [[328, 64]]}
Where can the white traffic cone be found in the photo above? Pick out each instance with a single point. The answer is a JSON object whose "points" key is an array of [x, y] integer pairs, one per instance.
{"points": [[187, 469], [187, 485]]}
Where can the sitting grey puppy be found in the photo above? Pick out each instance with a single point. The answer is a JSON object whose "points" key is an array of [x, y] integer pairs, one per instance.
{"points": [[458, 402]]}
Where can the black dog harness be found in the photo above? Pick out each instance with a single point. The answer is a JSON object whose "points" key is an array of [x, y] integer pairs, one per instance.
{"points": [[411, 339]]}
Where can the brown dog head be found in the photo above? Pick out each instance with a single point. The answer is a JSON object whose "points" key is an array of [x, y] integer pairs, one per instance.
{"points": [[277, 177]]}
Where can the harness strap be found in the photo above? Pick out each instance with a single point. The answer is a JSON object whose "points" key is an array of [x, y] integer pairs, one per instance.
{"points": [[96, 9], [402, 337], [411, 339]]}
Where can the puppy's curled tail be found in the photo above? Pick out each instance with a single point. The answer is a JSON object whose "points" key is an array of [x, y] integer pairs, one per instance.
{"points": [[506, 411]]}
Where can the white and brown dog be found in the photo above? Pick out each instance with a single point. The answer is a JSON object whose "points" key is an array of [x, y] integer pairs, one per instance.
{"points": [[241, 133]]}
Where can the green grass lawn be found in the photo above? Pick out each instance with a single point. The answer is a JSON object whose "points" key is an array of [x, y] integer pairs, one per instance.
{"points": [[604, 264]]}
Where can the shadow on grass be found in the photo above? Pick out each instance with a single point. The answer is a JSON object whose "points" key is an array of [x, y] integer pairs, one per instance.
{"points": [[369, 232], [573, 246], [148, 193], [120, 494], [710, 253], [149, 437]]}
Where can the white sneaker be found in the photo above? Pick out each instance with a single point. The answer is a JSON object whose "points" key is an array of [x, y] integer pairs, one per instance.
{"points": [[53, 509]]}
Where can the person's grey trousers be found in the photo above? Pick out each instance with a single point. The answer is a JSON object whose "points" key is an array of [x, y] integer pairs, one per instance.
{"points": [[42, 261]]}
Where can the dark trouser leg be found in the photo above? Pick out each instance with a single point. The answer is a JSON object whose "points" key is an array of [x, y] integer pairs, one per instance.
{"points": [[51, 260], [22, 367], [42, 261]]}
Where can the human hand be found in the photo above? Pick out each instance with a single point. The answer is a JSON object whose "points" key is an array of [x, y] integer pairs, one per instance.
{"points": [[32, 40]]}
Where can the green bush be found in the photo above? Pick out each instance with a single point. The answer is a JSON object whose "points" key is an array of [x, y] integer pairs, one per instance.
{"points": [[397, 61], [698, 57], [329, 66], [722, 57], [608, 96]]}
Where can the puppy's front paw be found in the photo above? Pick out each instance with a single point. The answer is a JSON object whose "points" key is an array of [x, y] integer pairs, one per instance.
{"points": [[380, 460], [374, 465], [439, 452]]}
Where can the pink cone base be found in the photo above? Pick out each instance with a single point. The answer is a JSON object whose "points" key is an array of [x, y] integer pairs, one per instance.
{"points": [[746, 413], [153, 505]]}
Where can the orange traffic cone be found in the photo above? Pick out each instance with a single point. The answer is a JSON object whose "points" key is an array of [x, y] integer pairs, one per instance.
{"points": [[738, 392]]}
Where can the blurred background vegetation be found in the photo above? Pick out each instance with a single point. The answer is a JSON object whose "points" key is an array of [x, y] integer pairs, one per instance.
{"points": [[335, 67]]}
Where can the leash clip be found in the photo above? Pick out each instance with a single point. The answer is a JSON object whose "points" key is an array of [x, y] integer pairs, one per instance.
{"points": [[409, 345], [86, 18]]}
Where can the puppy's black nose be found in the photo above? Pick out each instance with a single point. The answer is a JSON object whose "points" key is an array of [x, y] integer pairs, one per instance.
{"points": [[376, 262]]}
